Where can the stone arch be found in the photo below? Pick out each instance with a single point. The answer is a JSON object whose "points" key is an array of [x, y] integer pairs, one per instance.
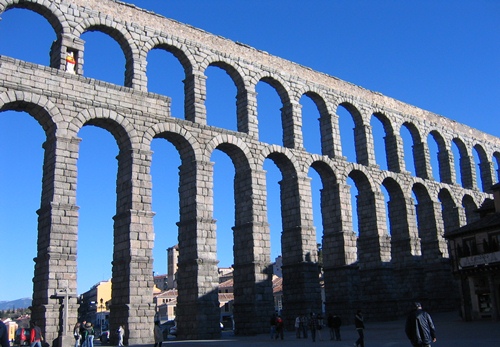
{"points": [[470, 207], [328, 125], [485, 168], [371, 221], [122, 130], [466, 164], [51, 13], [39, 107], [391, 142], [288, 114], [251, 238], [400, 232], [496, 158], [444, 158], [241, 91], [361, 133], [420, 151], [451, 216], [427, 221], [121, 35]]}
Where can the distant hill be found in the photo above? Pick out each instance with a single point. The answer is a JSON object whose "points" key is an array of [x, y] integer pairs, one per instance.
{"points": [[19, 303]]}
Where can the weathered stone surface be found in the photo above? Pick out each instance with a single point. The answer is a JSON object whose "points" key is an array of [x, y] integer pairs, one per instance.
{"points": [[376, 271]]}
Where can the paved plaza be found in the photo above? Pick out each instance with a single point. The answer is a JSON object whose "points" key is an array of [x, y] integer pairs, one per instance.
{"points": [[451, 332]]}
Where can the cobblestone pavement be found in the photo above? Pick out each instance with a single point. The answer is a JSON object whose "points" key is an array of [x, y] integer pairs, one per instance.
{"points": [[451, 332]]}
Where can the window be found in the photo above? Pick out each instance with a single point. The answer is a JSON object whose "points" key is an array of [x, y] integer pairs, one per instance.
{"points": [[469, 247], [494, 242]]}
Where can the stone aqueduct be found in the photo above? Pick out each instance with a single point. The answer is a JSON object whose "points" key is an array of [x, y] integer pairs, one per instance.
{"points": [[379, 271]]}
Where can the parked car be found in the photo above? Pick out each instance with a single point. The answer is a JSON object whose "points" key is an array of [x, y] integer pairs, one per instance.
{"points": [[165, 328], [22, 337], [104, 337]]}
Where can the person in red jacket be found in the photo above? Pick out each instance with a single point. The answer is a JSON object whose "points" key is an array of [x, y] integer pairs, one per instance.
{"points": [[35, 335]]}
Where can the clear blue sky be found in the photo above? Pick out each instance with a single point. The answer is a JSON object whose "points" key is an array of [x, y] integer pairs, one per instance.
{"points": [[442, 56]]}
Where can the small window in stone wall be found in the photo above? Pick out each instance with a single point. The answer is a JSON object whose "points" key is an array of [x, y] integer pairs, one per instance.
{"points": [[469, 247], [493, 242]]}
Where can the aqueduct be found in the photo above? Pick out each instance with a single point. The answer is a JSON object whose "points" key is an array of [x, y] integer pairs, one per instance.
{"points": [[373, 268]]}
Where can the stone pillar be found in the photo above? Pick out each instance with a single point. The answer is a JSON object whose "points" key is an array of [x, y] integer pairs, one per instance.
{"points": [[468, 172], [339, 246], [194, 98], [395, 153], [330, 135], [365, 151], [291, 118], [431, 230], [421, 157], [198, 311], [301, 290], [373, 241], [132, 267], [55, 263], [405, 243], [445, 164], [246, 109], [487, 173], [253, 292]]}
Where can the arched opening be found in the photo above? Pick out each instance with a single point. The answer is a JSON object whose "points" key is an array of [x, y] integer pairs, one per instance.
{"points": [[347, 131], [269, 113], [21, 164], [103, 64], [165, 76], [20, 41], [221, 99], [311, 127]]}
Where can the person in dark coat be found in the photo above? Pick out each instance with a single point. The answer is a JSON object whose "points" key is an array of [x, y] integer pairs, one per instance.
{"points": [[4, 335], [360, 327], [419, 327], [336, 323]]}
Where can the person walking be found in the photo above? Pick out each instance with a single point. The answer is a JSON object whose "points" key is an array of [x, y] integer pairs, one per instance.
{"points": [[280, 327], [305, 325], [89, 336], [158, 334], [121, 334], [360, 327], [313, 325], [76, 334], [35, 335], [336, 322], [83, 334], [419, 327], [272, 323], [297, 326]]}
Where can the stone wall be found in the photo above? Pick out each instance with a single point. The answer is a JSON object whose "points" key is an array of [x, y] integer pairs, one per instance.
{"points": [[372, 269]]}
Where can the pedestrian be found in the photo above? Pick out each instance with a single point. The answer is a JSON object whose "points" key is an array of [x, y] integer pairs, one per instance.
{"points": [[319, 318], [121, 334], [272, 323], [360, 326], [35, 335], [4, 335], [83, 334], [419, 327], [279, 327], [297, 326], [305, 325], [89, 336], [158, 334], [313, 325], [337, 322], [76, 334]]}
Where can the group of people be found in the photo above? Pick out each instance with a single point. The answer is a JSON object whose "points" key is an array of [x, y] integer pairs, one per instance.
{"points": [[84, 334], [419, 327]]}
